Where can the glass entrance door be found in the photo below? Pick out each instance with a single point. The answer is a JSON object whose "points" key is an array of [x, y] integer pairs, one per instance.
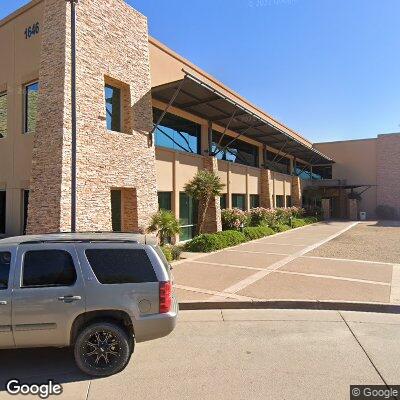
{"points": [[187, 216]]}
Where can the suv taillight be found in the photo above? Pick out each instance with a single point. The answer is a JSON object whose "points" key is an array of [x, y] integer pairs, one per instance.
{"points": [[165, 294]]}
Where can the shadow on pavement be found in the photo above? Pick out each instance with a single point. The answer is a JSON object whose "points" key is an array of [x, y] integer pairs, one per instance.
{"points": [[387, 223], [39, 365]]}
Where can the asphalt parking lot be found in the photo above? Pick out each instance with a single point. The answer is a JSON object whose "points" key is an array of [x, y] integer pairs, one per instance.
{"points": [[234, 354], [301, 264]]}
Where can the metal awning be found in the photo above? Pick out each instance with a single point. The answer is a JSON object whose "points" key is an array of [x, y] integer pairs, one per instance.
{"points": [[201, 99]]}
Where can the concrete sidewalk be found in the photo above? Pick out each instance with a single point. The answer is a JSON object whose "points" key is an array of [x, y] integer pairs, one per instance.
{"points": [[235, 354], [279, 267]]}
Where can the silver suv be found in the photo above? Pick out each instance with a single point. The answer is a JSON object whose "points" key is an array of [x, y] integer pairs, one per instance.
{"points": [[97, 292]]}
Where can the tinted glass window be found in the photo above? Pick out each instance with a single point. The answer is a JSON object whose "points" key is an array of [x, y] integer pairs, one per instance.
{"points": [[5, 261], [239, 201], [116, 213], [237, 151], [48, 268], [254, 200], [113, 107], [31, 101], [277, 163], [3, 115], [177, 133], [164, 201], [279, 201], [288, 201], [222, 201], [121, 265]]}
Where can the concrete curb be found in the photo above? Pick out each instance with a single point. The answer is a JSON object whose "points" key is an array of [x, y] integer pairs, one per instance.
{"points": [[384, 308]]}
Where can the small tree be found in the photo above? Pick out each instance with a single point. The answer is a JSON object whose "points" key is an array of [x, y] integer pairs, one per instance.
{"points": [[203, 187], [165, 224]]}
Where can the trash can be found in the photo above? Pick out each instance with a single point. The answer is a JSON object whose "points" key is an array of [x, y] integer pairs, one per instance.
{"points": [[363, 215]]}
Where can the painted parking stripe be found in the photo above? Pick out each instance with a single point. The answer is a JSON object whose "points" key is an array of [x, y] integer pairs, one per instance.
{"points": [[259, 252], [338, 278], [261, 274], [214, 293], [350, 259]]}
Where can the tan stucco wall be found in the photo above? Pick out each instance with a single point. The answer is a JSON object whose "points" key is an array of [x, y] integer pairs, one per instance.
{"points": [[19, 65], [355, 162]]}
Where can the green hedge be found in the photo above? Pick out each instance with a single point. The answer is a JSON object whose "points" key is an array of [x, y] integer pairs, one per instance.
{"points": [[171, 252], [281, 228], [215, 241], [257, 232]]}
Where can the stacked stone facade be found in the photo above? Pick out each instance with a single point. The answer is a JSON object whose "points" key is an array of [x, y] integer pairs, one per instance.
{"points": [[112, 47], [387, 170], [296, 191], [265, 190]]}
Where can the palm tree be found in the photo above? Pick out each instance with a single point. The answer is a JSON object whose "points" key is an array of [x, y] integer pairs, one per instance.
{"points": [[204, 187], [165, 224]]}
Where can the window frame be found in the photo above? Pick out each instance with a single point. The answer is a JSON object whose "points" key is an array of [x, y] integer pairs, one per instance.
{"points": [[281, 196], [160, 194], [25, 107], [109, 85], [254, 196], [4, 93]]}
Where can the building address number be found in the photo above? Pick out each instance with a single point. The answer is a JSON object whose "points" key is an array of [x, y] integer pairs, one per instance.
{"points": [[32, 30]]}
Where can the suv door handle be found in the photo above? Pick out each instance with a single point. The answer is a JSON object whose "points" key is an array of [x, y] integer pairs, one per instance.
{"points": [[3, 303], [69, 299]]}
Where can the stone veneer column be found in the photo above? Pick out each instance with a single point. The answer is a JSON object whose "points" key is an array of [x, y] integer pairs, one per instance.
{"points": [[112, 45], [265, 192], [326, 208], [387, 170], [213, 216], [296, 191], [352, 206]]}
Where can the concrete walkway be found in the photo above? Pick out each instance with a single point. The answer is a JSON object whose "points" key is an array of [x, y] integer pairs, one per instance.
{"points": [[234, 354], [279, 267]]}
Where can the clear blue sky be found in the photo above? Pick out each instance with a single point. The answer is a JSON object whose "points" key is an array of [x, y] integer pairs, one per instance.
{"points": [[329, 69]]}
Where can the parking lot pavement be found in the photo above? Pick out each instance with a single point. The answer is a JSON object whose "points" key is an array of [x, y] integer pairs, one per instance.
{"points": [[288, 266], [235, 354]]}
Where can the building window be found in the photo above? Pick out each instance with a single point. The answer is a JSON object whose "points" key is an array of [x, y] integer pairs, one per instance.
{"points": [[277, 163], [30, 107], [303, 171], [322, 172], [2, 211], [222, 201], [254, 201], [25, 203], [164, 201], [116, 211], [3, 115], [239, 201], [279, 200], [113, 107], [187, 216], [43, 268], [288, 201], [238, 151], [177, 133]]}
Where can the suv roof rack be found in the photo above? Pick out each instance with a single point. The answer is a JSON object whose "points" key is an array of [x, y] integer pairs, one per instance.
{"points": [[70, 240]]}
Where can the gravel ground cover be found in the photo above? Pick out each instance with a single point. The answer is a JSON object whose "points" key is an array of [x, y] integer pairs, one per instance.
{"points": [[370, 241]]}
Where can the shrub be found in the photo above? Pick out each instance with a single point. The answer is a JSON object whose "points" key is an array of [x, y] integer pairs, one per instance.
{"points": [[281, 227], [232, 219], [283, 215], [386, 212], [262, 216], [297, 223], [257, 232], [297, 212], [215, 241], [310, 220], [171, 252]]}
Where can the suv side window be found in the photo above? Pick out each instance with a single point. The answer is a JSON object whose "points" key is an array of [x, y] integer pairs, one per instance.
{"points": [[121, 265], [48, 268], [5, 261]]}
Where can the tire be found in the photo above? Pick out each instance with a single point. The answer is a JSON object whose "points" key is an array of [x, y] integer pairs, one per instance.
{"points": [[103, 349]]}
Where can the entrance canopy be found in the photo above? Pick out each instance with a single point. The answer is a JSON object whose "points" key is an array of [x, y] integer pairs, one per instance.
{"points": [[201, 99]]}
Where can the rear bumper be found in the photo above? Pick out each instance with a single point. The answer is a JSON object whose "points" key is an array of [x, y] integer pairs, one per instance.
{"points": [[155, 326]]}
